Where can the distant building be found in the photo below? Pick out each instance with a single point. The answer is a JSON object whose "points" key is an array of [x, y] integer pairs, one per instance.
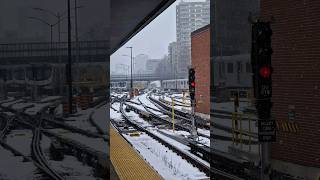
{"points": [[190, 15], [200, 57], [151, 65], [140, 63], [172, 58]]}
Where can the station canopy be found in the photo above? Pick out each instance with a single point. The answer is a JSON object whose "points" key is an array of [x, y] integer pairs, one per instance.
{"points": [[128, 17]]}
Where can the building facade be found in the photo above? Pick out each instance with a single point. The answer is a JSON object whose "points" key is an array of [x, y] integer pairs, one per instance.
{"points": [[172, 57], [151, 65], [296, 83], [200, 57], [190, 15]]}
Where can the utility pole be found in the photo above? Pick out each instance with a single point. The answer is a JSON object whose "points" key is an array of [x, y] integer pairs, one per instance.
{"points": [[69, 73], [131, 81], [192, 89], [77, 37]]}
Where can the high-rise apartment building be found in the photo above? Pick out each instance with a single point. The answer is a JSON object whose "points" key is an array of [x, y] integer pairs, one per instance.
{"points": [[172, 57], [190, 15]]}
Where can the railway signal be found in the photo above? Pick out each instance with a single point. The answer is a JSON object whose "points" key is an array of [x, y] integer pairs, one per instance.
{"points": [[192, 91], [262, 83], [192, 84]]}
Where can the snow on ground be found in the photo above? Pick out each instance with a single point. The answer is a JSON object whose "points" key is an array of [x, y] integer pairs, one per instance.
{"points": [[167, 163], [137, 106], [204, 131], [36, 108], [59, 110], [69, 165], [6, 100], [179, 145], [20, 140], [19, 106], [10, 165], [116, 105], [135, 99], [143, 98], [154, 130], [115, 115], [100, 117], [81, 120], [185, 134], [97, 144], [7, 104], [50, 98]]}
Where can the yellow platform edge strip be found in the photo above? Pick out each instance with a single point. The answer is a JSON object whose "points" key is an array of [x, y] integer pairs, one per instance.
{"points": [[128, 164]]}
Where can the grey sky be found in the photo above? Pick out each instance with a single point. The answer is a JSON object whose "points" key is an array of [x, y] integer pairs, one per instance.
{"points": [[153, 40]]}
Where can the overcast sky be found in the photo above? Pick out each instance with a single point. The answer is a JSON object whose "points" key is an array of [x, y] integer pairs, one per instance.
{"points": [[153, 40]]}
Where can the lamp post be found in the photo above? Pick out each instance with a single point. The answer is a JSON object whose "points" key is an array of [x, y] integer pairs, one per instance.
{"points": [[48, 24], [69, 73], [131, 81]]}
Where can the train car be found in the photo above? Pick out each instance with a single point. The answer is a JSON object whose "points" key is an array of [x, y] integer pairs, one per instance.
{"points": [[51, 78], [233, 74], [155, 85], [175, 84]]}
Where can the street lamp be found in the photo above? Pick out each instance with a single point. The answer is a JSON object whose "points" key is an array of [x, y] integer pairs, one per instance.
{"points": [[46, 23], [69, 73], [131, 81], [60, 17]]}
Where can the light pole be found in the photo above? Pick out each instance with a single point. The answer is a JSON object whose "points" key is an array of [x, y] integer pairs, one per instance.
{"points": [[48, 24], [131, 81], [69, 73]]}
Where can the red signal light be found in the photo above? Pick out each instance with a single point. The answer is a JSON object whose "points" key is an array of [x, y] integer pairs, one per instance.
{"points": [[265, 72], [193, 84]]}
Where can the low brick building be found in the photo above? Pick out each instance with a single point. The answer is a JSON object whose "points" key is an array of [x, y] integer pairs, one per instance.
{"points": [[296, 84], [200, 58]]}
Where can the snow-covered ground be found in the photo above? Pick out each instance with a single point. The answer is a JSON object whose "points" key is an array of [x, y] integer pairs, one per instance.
{"points": [[7, 104], [20, 140], [97, 144], [36, 108], [69, 165], [100, 117], [10, 165], [167, 163], [81, 120], [50, 99]]}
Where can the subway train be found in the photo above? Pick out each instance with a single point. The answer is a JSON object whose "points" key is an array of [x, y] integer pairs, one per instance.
{"points": [[125, 85], [49, 78], [175, 84], [233, 75]]}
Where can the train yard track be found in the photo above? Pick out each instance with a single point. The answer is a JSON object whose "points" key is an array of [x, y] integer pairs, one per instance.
{"points": [[225, 167], [36, 123]]}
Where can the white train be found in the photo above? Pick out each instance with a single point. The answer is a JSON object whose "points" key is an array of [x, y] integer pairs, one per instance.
{"points": [[175, 84], [125, 85]]}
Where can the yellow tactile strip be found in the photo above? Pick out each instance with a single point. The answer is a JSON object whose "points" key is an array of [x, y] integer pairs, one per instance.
{"points": [[127, 162]]}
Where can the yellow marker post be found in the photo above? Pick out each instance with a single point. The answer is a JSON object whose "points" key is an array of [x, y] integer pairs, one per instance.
{"points": [[233, 124], [240, 130], [172, 113], [249, 119], [183, 99]]}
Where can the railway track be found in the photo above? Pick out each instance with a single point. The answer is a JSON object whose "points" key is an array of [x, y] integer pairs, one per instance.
{"points": [[222, 161], [219, 173], [179, 114], [199, 164], [40, 158]]}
